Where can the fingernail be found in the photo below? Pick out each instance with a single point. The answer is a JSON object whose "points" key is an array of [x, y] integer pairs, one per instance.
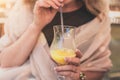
{"points": [[55, 68], [77, 49], [56, 7]]}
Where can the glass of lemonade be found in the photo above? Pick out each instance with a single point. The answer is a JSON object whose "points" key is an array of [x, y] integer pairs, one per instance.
{"points": [[63, 44]]}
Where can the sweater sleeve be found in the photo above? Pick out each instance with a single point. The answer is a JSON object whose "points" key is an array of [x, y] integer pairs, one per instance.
{"points": [[16, 23]]}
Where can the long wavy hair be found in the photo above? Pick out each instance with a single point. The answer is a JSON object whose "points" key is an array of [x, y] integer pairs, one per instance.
{"points": [[94, 6]]}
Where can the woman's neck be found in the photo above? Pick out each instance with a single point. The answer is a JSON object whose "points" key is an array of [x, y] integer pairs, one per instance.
{"points": [[72, 6]]}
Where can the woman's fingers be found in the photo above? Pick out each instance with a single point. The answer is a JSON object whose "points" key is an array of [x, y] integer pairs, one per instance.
{"points": [[74, 61], [71, 68], [58, 3], [54, 3], [40, 3], [69, 74], [69, 71], [43, 13], [49, 3], [78, 53]]}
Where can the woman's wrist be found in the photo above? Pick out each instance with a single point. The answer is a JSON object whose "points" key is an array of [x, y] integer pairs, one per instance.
{"points": [[37, 27]]}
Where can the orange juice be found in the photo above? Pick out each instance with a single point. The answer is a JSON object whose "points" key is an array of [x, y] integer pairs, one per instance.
{"points": [[59, 55]]}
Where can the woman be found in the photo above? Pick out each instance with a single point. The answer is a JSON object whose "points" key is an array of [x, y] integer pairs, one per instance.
{"points": [[24, 40]]}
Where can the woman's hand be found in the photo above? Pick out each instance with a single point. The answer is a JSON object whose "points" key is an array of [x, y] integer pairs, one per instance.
{"points": [[72, 70], [44, 11]]}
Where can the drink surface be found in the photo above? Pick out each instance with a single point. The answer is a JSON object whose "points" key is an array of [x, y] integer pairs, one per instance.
{"points": [[59, 55]]}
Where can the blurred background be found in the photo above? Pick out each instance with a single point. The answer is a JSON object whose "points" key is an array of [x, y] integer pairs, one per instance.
{"points": [[5, 7], [115, 42], [114, 74]]}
